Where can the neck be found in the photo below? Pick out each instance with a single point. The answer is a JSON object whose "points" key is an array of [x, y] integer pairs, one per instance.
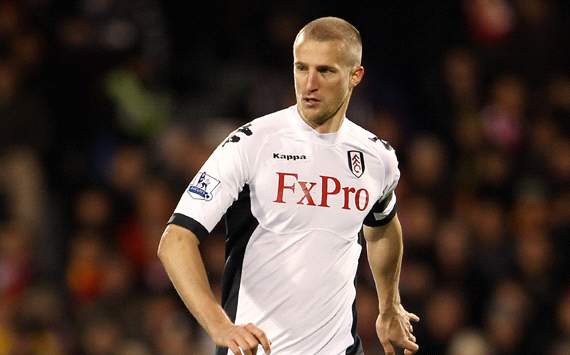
{"points": [[331, 124]]}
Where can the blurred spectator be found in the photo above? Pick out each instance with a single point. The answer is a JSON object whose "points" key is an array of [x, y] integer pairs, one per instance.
{"points": [[458, 107], [506, 317], [139, 234], [445, 313], [469, 342], [183, 151], [419, 220], [133, 347], [427, 165], [84, 271], [100, 335], [490, 21], [117, 280], [530, 209], [386, 125], [168, 328], [503, 116], [563, 315], [367, 309], [15, 261], [141, 112], [23, 110], [455, 265], [417, 281], [491, 240], [93, 209], [461, 76]]}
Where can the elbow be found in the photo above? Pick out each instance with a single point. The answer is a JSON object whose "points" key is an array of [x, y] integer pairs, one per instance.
{"points": [[173, 240], [162, 250]]}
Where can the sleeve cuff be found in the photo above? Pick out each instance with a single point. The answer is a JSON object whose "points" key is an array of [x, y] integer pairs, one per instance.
{"points": [[379, 215], [190, 224]]}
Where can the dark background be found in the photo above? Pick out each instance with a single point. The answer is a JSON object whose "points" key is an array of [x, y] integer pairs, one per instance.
{"points": [[109, 107]]}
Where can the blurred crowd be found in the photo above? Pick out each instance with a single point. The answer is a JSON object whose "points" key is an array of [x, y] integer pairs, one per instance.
{"points": [[109, 107]]}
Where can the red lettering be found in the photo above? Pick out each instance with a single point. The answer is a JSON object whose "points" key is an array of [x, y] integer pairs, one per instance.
{"points": [[307, 193], [329, 186], [357, 199], [281, 186], [325, 190], [347, 191]]}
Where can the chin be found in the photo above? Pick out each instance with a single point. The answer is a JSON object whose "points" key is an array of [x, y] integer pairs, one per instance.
{"points": [[318, 119], [310, 114]]}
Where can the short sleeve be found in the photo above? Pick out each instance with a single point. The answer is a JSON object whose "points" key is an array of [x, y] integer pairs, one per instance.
{"points": [[214, 188], [385, 208]]}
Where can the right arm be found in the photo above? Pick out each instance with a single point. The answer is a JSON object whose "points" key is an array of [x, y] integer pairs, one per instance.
{"points": [[179, 253]]}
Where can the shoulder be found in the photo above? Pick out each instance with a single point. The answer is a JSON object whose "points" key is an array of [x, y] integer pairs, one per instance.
{"points": [[261, 126], [272, 122], [250, 136], [377, 146]]}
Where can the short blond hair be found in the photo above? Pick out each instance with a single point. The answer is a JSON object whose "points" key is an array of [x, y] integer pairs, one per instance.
{"points": [[335, 29]]}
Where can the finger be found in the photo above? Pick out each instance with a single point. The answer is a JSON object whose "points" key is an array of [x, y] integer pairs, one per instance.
{"points": [[244, 347], [410, 345], [261, 337], [414, 317], [251, 340], [388, 348], [234, 347]]}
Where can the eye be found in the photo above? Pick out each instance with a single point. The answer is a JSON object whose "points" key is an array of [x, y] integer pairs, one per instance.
{"points": [[300, 67], [326, 70]]}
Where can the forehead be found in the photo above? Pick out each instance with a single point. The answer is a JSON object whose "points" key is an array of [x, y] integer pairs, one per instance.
{"points": [[315, 52]]}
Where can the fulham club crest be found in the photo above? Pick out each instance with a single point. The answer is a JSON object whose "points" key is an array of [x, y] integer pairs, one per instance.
{"points": [[356, 162]]}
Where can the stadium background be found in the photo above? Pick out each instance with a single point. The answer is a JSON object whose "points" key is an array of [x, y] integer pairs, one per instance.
{"points": [[108, 108]]}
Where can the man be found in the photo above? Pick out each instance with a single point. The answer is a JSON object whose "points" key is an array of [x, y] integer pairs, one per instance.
{"points": [[296, 186]]}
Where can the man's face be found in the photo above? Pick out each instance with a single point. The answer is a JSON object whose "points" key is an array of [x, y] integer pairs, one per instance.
{"points": [[323, 79]]}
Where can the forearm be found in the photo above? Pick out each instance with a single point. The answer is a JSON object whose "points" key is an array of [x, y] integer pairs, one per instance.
{"points": [[180, 256], [385, 249]]}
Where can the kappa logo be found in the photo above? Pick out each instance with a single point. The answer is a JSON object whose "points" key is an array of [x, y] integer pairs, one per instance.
{"points": [[203, 188], [235, 138], [289, 156], [385, 143], [356, 162]]}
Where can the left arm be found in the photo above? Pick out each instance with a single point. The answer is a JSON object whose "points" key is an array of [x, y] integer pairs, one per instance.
{"points": [[385, 248]]}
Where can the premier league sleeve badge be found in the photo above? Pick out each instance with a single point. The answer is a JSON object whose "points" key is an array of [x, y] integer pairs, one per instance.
{"points": [[203, 186]]}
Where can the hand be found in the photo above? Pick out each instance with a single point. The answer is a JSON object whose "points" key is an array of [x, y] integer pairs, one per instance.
{"points": [[394, 328], [242, 339]]}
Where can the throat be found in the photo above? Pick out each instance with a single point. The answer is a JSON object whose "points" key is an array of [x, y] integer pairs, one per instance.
{"points": [[330, 125], [324, 124]]}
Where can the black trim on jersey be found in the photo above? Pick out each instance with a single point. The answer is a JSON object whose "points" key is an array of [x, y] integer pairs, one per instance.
{"points": [[190, 224], [356, 347], [240, 225], [379, 207]]}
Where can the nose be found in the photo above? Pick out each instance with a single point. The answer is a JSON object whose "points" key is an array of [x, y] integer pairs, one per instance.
{"points": [[312, 81]]}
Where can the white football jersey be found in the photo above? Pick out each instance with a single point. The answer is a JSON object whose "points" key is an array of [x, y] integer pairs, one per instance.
{"points": [[295, 202]]}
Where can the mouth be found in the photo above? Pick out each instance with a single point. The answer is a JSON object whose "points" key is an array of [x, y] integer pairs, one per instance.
{"points": [[311, 101]]}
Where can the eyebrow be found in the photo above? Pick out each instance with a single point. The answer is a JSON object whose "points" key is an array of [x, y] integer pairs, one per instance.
{"points": [[326, 67], [319, 67]]}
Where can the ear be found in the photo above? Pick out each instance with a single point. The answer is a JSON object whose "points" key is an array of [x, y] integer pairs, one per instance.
{"points": [[356, 76]]}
